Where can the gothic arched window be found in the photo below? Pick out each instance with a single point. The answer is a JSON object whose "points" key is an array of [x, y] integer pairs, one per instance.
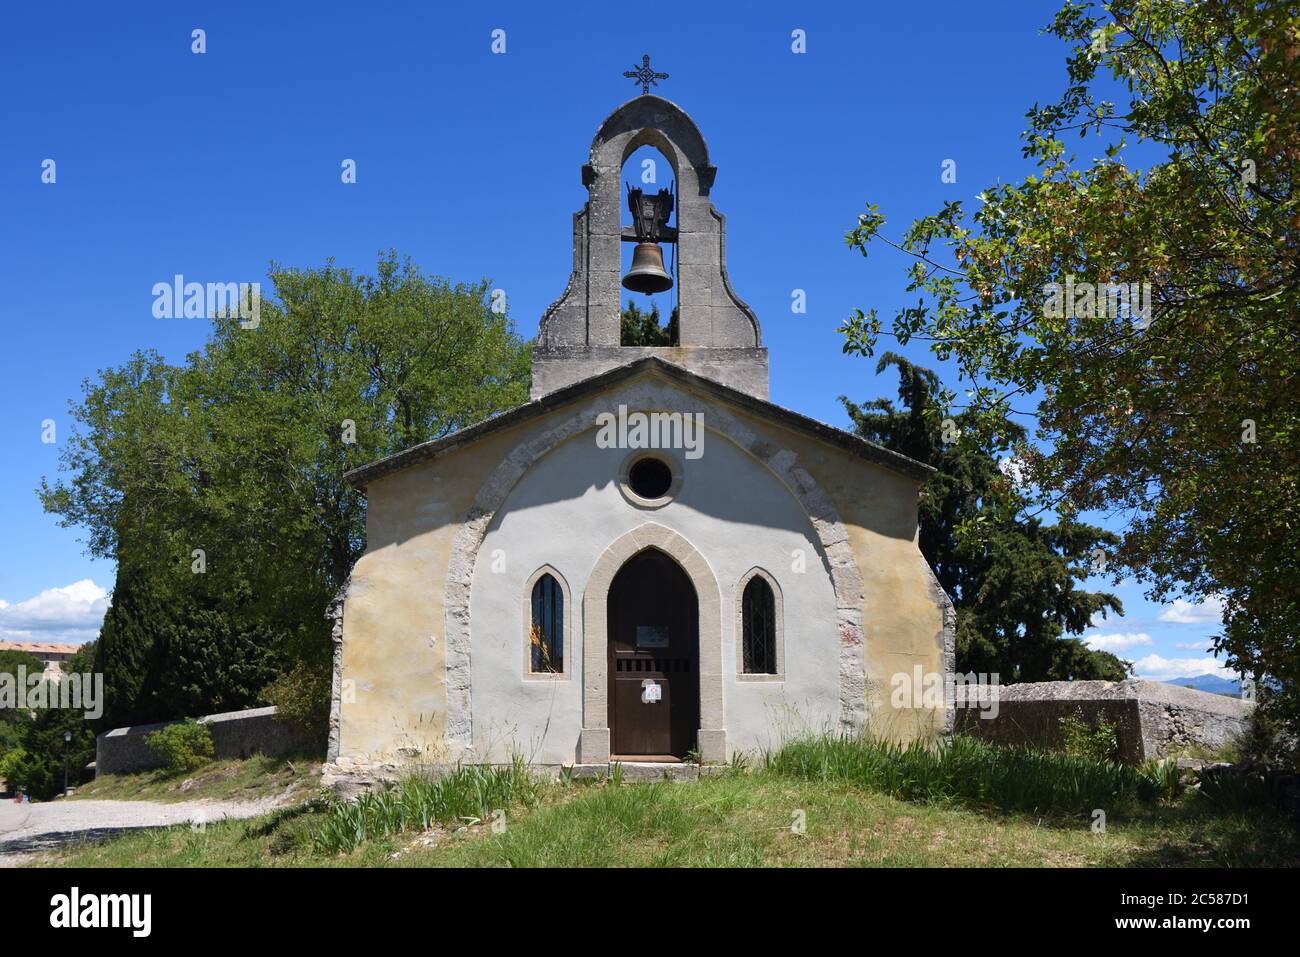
{"points": [[546, 635], [759, 627]]}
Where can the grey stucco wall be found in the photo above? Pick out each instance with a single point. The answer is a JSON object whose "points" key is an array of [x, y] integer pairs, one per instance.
{"points": [[565, 512], [235, 734]]}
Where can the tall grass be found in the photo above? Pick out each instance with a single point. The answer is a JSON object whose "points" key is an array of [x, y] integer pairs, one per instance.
{"points": [[468, 795], [958, 770], [1225, 792], [969, 771]]}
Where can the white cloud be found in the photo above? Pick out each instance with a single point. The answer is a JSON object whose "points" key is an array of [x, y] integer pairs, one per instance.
{"points": [[1162, 669], [71, 614], [1118, 641], [1187, 613], [1202, 646]]}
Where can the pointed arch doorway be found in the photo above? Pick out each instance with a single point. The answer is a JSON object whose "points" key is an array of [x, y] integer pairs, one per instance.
{"points": [[653, 660]]}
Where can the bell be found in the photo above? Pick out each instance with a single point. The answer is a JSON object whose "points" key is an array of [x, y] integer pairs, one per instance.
{"points": [[647, 274]]}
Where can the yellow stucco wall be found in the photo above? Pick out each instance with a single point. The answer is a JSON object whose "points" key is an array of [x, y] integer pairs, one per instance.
{"points": [[902, 621], [393, 657], [394, 649]]}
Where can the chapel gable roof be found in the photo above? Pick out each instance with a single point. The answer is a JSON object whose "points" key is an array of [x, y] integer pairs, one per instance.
{"points": [[845, 441]]}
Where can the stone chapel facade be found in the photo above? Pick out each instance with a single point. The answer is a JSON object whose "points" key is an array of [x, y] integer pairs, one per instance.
{"points": [[532, 587]]}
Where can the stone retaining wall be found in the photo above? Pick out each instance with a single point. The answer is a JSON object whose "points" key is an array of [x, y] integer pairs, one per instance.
{"points": [[235, 734], [1151, 718]]}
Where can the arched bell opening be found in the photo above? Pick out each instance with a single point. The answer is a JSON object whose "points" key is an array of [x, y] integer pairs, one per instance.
{"points": [[717, 334], [648, 257]]}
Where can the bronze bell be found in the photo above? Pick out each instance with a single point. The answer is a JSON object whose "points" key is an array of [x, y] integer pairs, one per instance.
{"points": [[647, 274]]}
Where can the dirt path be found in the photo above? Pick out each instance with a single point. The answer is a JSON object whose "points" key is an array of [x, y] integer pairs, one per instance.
{"points": [[30, 829]]}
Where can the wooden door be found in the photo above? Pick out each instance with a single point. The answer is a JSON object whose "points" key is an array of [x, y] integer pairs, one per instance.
{"points": [[653, 643]]}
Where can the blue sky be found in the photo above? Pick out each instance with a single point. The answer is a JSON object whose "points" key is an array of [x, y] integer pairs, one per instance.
{"points": [[213, 165]]}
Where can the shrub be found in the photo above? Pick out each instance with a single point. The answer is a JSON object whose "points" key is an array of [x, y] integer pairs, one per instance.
{"points": [[184, 746], [1266, 739], [11, 763], [1234, 790], [302, 698], [1078, 737], [1162, 780]]}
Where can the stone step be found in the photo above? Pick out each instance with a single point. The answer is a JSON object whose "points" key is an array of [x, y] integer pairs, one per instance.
{"points": [[647, 771]]}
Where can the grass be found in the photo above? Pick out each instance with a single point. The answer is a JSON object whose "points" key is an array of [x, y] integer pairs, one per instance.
{"points": [[728, 821], [971, 772], [1230, 753], [826, 802], [234, 780], [751, 821], [472, 795]]}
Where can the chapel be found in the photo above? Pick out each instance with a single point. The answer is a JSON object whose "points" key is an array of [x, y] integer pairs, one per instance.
{"points": [[649, 561]]}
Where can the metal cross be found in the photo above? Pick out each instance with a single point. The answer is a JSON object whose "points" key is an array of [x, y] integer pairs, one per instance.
{"points": [[645, 76]]}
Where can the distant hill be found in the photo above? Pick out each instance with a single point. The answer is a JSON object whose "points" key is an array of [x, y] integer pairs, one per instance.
{"points": [[1212, 683]]}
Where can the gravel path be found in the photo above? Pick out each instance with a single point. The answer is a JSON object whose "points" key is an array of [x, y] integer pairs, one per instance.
{"points": [[29, 829]]}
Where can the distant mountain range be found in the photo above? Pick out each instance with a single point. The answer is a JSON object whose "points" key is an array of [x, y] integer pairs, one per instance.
{"points": [[1212, 683]]}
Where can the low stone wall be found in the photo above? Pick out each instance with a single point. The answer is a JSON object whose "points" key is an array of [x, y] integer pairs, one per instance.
{"points": [[1151, 718], [235, 734]]}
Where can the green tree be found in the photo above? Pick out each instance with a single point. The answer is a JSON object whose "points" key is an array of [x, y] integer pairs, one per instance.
{"points": [[1181, 416], [643, 329], [40, 769], [218, 484], [163, 658], [40, 772], [1013, 580], [11, 661], [15, 722], [128, 647]]}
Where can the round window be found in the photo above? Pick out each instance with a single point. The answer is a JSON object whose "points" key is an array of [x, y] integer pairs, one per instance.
{"points": [[650, 478]]}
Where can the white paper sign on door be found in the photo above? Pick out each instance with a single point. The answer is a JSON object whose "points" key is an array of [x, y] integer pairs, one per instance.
{"points": [[651, 691]]}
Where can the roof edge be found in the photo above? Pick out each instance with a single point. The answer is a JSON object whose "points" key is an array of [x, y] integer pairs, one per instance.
{"points": [[360, 477]]}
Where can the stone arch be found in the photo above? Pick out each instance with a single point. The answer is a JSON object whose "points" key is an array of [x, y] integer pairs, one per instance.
{"points": [[668, 123], [652, 393], [711, 314], [778, 598], [657, 141], [594, 744], [566, 625]]}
